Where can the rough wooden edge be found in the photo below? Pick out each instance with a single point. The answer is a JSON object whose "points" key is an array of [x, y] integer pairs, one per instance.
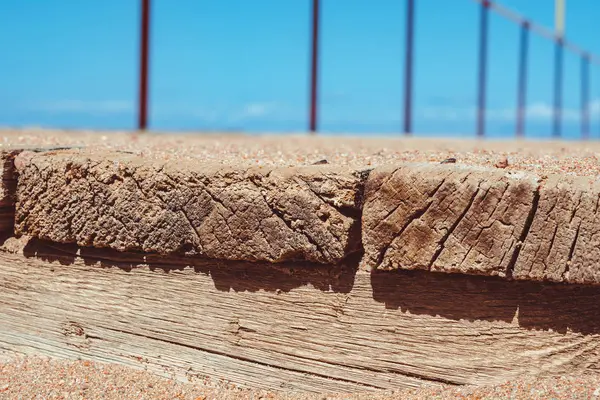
{"points": [[526, 254]]}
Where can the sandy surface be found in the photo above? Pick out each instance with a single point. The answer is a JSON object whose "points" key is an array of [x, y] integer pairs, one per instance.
{"points": [[543, 157], [43, 378]]}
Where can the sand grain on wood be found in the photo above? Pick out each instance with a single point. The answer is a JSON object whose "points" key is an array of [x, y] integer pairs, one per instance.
{"points": [[544, 157]]}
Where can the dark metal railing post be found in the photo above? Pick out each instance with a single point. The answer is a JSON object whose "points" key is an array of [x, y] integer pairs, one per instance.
{"points": [[144, 57], [558, 64], [408, 66], [522, 80], [314, 66], [585, 96], [483, 35]]}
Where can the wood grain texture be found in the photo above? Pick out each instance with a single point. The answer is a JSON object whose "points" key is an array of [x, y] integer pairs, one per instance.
{"points": [[8, 189], [302, 327], [129, 203], [446, 218], [439, 218], [8, 183], [563, 244]]}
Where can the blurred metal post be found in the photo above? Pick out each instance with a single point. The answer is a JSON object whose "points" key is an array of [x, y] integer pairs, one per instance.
{"points": [[558, 64], [559, 25], [483, 34], [314, 66], [559, 17], [522, 84], [408, 66], [144, 56], [585, 96]]}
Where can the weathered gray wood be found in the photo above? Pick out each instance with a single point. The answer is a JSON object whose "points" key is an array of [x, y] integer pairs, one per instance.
{"points": [[302, 327]]}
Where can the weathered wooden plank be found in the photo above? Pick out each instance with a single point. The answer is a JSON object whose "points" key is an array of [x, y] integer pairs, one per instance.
{"points": [[438, 218], [240, 212], [296, 327], [8, 182], [563, 242], [482, 221], [154, 355], [8, 189], [446, 218]]}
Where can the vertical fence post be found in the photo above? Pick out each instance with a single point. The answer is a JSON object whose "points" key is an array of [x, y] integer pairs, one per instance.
{"points": [[483, 34], [585, 96], [558, 64], [522, 83], [314, 66], [408, 66], [144, 56]]}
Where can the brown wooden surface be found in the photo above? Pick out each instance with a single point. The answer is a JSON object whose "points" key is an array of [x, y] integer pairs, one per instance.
{"points": [[294, 327]]}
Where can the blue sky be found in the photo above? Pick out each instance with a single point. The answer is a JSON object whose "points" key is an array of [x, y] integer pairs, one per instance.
{"points": [[244, 65]]}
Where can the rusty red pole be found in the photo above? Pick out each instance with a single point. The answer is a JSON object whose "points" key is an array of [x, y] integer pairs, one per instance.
{"points": [[314, 66], [585, 97], [144, 56], [522, 84], [408, 66], [558, 64], [483, 34]]}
